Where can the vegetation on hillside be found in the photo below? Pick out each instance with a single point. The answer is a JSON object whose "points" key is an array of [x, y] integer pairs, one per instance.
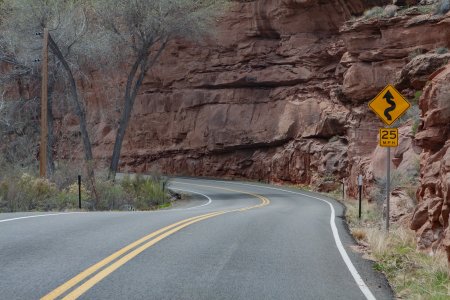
{"points": [[21, 191], [411, 273], [84, 35], [439, 7]]}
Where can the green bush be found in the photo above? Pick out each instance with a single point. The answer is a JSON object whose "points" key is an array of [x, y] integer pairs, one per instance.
{"points": [[68, 198], [148, 193], [66, 174], [442, 7], [112, 196], [20, 191], [442, 50], [27, 193], [374, 12], [413, 113], [416, 52]]}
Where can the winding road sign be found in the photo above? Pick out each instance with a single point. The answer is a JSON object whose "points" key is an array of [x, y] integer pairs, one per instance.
{"points": [[389, 105]]}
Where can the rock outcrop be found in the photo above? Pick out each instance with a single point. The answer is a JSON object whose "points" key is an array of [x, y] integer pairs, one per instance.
{"points": [[260, 99], [431, 217], [275, 94]]}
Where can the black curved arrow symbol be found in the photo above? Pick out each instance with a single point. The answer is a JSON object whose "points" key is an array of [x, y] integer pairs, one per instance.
{"points": [[389, 99]]}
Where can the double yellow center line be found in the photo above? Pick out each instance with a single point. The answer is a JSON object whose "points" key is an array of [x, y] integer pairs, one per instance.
{"points": [[111, 263]]}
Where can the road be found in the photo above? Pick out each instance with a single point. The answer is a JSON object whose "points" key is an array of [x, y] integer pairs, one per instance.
{"points": [[233, 241]]}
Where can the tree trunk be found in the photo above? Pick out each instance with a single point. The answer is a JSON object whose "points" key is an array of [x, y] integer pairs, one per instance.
{"points": [[128, 106], [130, 96], [81, 115]]}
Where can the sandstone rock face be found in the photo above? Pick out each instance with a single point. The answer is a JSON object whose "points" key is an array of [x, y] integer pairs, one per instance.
{"points": [[417, 72], [378, 52], [278, 93], [431, 217], [379, 49], [260, 99]]}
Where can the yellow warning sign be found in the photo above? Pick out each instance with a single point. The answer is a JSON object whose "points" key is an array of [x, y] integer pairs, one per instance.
{"points": [[389, 105], [388, 137]]}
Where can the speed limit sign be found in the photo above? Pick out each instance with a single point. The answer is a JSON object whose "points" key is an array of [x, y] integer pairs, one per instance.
{"points": [[388, 137]]}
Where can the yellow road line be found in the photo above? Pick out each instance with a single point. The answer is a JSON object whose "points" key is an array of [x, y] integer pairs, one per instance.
{"points": [[264, 200], [94, 268], [114, 266], [161, 234]]}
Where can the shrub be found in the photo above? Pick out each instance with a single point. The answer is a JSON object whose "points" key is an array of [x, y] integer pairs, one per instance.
{"points": [[359, 234], [413, 113], [425, 9], [24, 192], [112, 196], [148, 192], [334, 139], [413, 275], [442, 7], [416, 98], [442, 50], [68, 198], [27, 193], [66, 174], [416, 52], [374, 12]]}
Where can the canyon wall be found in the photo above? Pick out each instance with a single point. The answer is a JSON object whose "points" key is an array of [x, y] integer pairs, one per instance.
{"points": [[278, 93], [262, 98], [431, 217]]}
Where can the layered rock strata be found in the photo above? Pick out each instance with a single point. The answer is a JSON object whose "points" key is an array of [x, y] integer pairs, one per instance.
{"points": [[275, 94], [431, 217], [261, 99]]}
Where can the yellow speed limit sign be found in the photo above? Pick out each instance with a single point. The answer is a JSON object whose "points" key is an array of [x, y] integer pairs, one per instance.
{"points": [[388, 137]]}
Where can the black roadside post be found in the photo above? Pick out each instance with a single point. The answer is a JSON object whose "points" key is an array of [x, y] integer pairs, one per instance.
{"points": [[360, 183], [343, 190], [79, 191]]}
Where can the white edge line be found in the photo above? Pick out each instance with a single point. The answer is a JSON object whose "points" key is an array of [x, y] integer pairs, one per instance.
{"points": [[38, 216], [358, 279], [189, 191]]}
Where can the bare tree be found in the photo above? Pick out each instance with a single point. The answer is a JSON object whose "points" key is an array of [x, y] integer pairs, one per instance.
{"points": [[142, 30], [18, 117], [19, 131], [67, 23]]}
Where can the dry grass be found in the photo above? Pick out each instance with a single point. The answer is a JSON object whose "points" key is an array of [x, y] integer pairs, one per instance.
{"points": [[411, 273], [359, 234]]}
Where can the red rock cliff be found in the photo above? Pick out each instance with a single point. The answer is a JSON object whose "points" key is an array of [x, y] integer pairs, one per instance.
{"points": [[262, 99], [278, 93]]}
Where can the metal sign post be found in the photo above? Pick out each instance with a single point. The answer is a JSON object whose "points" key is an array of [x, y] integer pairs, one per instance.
{"points": [[360, 184], [388, 186], [79, 191]]}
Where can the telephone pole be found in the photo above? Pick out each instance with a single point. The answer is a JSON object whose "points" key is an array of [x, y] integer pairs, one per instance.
{"points": [[44, 103]]}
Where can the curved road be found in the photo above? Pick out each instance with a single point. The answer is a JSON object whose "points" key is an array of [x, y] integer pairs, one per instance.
{"points": [[235, 241]]}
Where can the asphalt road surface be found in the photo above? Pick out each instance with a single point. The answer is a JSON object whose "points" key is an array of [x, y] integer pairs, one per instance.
{"points": [[234, 241]]}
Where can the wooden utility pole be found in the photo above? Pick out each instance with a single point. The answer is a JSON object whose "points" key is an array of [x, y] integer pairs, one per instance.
{"points": [[44, 103]]}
